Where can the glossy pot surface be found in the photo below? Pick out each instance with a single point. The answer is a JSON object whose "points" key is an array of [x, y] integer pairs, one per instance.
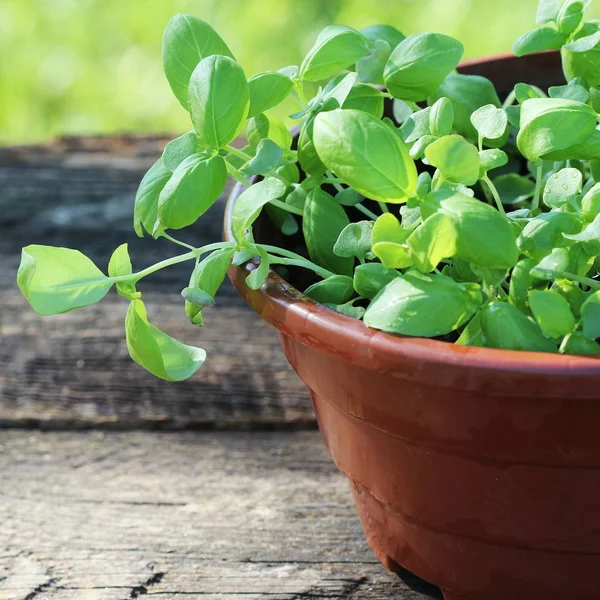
{"points": [[476, 469]]}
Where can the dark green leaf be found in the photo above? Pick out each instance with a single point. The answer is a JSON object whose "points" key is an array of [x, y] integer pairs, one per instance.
{"points": [[514, 188], [333, 290], [590, 316], [544, 232], [580, 345], [520, 283], [259, 275], [370, 278], [267, 157], [354, 241]]}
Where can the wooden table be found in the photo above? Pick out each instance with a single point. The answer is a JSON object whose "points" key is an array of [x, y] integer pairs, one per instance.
{"points": [[116, 485]]}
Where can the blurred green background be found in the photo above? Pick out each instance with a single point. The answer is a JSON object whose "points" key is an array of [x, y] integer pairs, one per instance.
{"points": [[94, 66]]}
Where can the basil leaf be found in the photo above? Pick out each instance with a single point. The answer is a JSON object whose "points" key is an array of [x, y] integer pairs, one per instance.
{"points": [[434, 240], [524, 91], [333, 290], [365, 154], [387, 33], [268, 126], [552, 313], [584, 44], [416, 125], [249, 204], [195, 186], [472, 334], [348, 309], [578, 344], [268, 156], [558, 260], [370, 67], [492, 158], [56, 280], [490, 122], [538, 40], [370, 278], [307, 154], [549, 124], [186, 42], [467, 93], [348, 197], [590, 316], [570, 17], [476, 224], [513, 188], [219, 100], [145, 210], [590, 204], [324, 219], [420, 63], [354, 241], [562, 187], [572, 293], [336, 48], [586, 150], [208, 276], [402, 110], [548, 11], [441, 117], [422, 305], [585, 63], [177, 150], [365, 98], [569, 92], [267, 90], [505, 326], [457, 159], [545, 232], [120, 264], [259, 275], [520, 283], [162, 355], [591, 233]]}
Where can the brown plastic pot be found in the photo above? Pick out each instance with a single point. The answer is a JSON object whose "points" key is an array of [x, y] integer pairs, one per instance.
{"points": [[476, 469]]}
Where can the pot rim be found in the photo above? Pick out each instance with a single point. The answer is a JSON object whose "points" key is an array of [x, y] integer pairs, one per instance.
{"points": [[300, 317]]}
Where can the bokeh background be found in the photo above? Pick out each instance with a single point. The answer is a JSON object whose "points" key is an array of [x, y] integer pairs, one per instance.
{"points": [[94, 66]]}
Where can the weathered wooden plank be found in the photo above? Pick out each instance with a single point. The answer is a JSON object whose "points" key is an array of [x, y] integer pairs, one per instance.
{"points": [[112, 516], [73, 370]]}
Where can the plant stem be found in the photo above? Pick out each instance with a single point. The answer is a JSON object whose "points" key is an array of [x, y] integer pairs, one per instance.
{"points": [[324, 273], [236, 174], [383, 207], [538, 188], [365, 211], [178, 242], [509, 99], [288, 207], [283, 252], [595, 285], [237, 152], [333, 180], [495, 193]]}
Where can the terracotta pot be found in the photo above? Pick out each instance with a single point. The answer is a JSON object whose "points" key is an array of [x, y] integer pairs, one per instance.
{"points": [[476, 469]]}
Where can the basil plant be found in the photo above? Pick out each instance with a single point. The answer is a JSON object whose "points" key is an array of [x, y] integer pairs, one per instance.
{"points": [[467, 217]]}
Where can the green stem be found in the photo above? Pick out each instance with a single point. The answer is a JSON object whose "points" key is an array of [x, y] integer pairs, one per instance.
{"points": [[495, 193], [236, 174], [299, 85], [288, 207], [324, 273], [282, 252], [509, 99], [237, 152], [365, 211], [178, 242], [538, 188], [333, 179], [595, 285], [383, 207]]}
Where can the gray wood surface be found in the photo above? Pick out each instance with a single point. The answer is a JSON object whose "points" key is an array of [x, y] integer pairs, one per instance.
{"points": [[174, 515], [73, 370]]}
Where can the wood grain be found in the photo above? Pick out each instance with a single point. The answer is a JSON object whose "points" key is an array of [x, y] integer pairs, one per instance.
{"points": [[206, 515], [73, 370]]}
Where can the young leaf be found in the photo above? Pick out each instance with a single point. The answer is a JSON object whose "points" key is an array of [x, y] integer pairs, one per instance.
{"points": [[563, 187], [249, 204], [590, 316], [545, 232], [268, 156], [467, 93], [585, 44], [591, 233], [365, 98], [370, 278], [333, 290], [162, 355], [348, 309], [552, 313], [538, 40], [422, 305], [354, 241], [389, 242], [336, 48], [370, 67], [307, 155], [434, 240], [580, 345], [324, 219], [387, 33], [266, 91], [580, 62], [186, 42], [419, 64], [493, 158], [441, 117], [556, 262], [177, 150], [549, 124], [548, 11], [257, 278], [208, 276], [145, 210], [572, 293], [569, 92], [520, 283], [365, 154], [268, 126], [457, 159], [120, 264], [197, 297], [506, 327], [524, 91], [219, 100], [570, 17], [490, 122], [402, 110], [195, 186], [56, 280], [590, 204]]}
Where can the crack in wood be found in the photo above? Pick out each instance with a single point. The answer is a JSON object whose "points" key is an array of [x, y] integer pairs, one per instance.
{"points": [[347, 592], [44, 587], [142, 590]]}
